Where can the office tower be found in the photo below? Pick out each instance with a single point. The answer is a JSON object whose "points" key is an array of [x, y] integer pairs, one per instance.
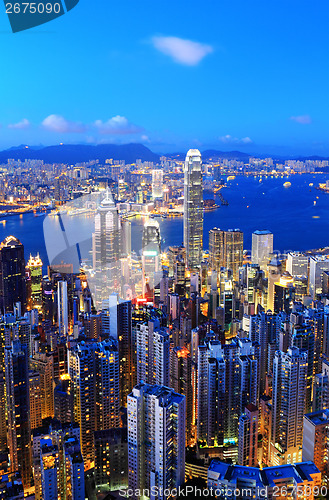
{"points": [[316, 441], [216, 246], [35, 399], [181, 382], [233, 251], [107, 251], [47, 299], [12, 274], [94, 373], [157, 184], [261, 247], [43, 364], [284, 293], [193, 209], [253, 483], [49, 458], [62, 308], [156, 439], [173, 253], [111, 459], [18, 410], [289, 394], [274, 272], [34, 282], [153, 344], [297, 264], [248, 437], [264, 328], [318, 264], [151, 249], [226, 250]]}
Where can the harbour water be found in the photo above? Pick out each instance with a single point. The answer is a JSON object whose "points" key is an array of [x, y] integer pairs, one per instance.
{"points": [[297, 215]]}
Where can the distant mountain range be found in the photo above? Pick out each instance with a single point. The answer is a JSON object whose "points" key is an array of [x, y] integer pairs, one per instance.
{"points": [[79, 153], [72, 154]]}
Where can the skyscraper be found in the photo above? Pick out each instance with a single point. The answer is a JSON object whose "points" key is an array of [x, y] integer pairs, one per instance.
{"points": [[248, 437], [107, 250], [34, 282], [12, 274], [181, 382], [226, 250], [94, 372], [153, 345], [157, 184], [62, 308], [156, 439], [18, 410], [289, 394], [193, 209], [151, 248], [261, 247]]}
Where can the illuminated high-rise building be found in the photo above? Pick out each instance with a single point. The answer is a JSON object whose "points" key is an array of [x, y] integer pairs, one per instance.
{"points": [[181, 382], [248, 437], [34, 282], [12, 274], [226, 250], [297, 264], [316, 440], [262, 247], [43, 364], [18, 410], [107, 250], [35, 399], [284, 293], [153, 345], [151, 249], [156, 440], [157, 184], [94, 373], [288, 402], [62, 308], [193, 208], [216, 244], [318, 265]]}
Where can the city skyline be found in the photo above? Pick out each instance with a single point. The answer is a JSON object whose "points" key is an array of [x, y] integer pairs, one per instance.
{"points": [[262, 94]]}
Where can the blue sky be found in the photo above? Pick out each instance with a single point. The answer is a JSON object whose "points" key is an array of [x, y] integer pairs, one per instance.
{"points": [[225, 74]]}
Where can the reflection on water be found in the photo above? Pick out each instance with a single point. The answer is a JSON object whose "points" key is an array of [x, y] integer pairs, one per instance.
{"points": [[290, 214]]}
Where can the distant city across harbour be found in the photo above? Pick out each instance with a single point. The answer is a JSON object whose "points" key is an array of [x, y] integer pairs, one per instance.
{"points": [[298, 216]]}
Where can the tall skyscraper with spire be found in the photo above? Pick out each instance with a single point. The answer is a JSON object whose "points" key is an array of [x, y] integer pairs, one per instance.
{"points": [[193, 208], [107, 249]]}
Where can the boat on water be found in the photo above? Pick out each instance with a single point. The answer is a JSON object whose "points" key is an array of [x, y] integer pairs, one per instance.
{"points": [[287, 184]]}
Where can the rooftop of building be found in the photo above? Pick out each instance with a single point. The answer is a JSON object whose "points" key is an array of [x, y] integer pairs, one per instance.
{"points": [[318, 417], [269, 476]]}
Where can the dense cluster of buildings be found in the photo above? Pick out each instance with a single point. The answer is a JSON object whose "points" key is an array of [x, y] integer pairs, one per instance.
{"points": [[137, 375]]}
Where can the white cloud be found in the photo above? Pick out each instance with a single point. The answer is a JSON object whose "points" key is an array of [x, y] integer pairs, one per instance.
{"points": [[23, 124], [228, 139], [145, 138], [117, 125], [57, 123], [303, 119], [182, 51]]}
